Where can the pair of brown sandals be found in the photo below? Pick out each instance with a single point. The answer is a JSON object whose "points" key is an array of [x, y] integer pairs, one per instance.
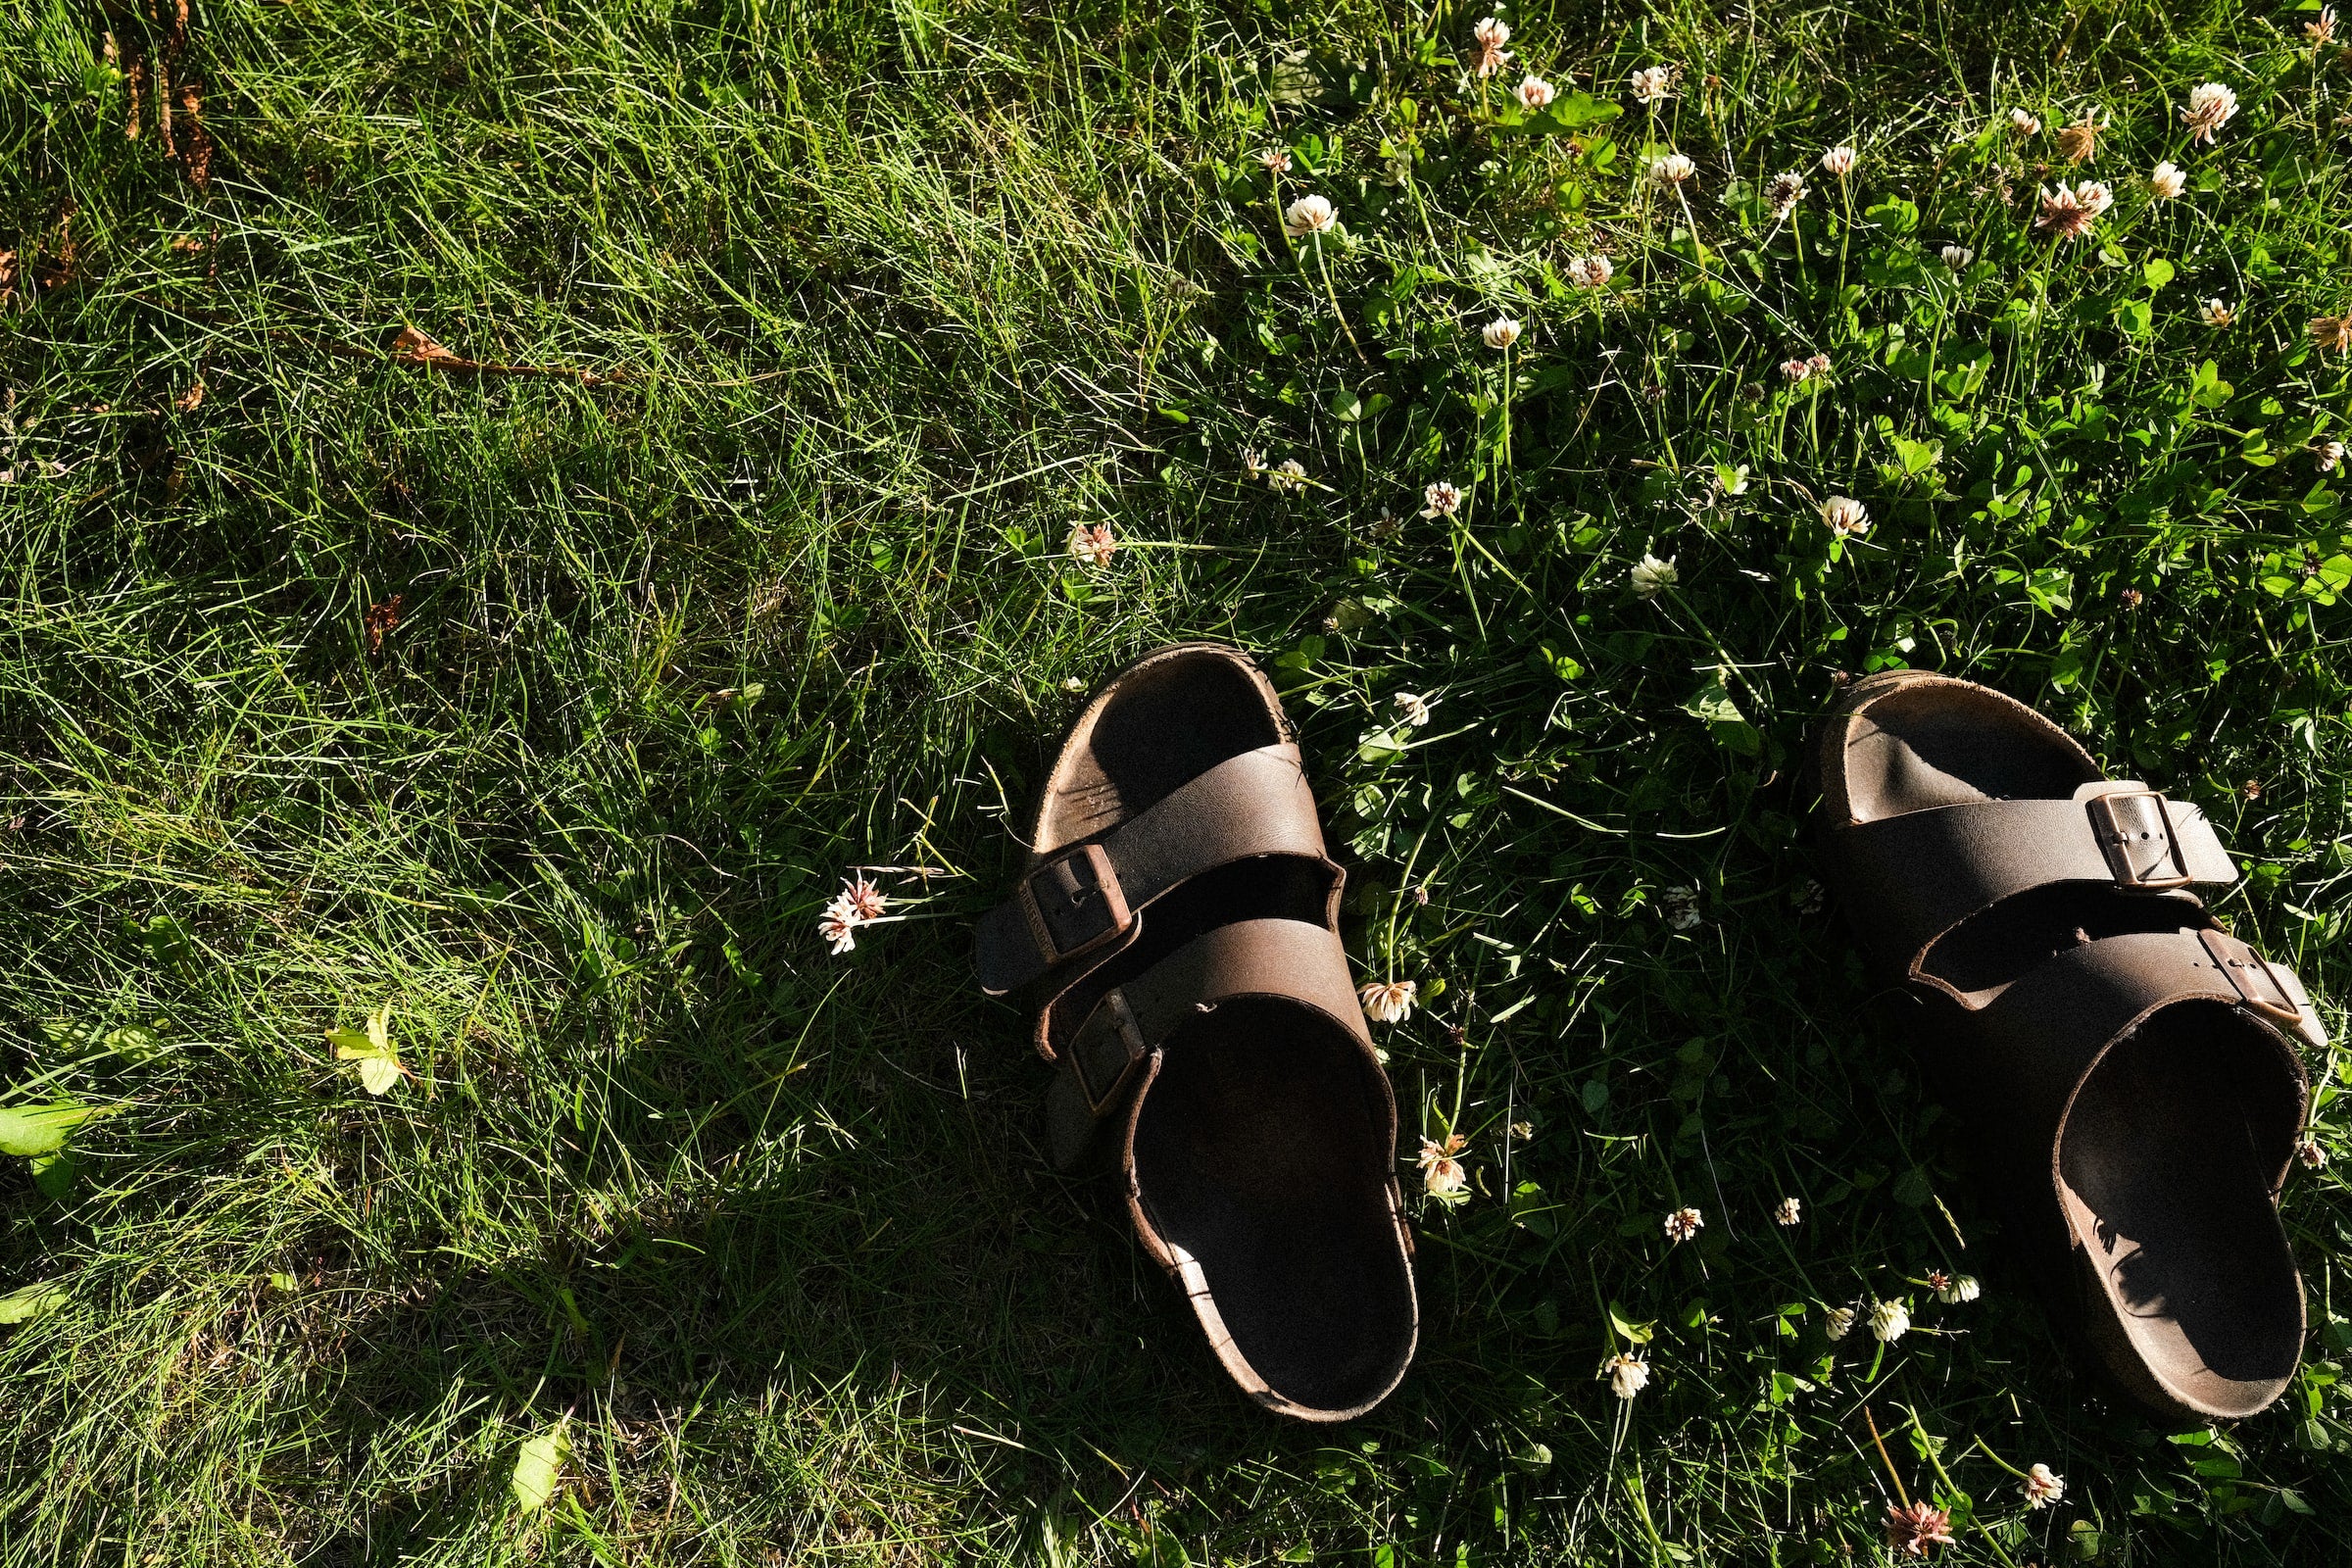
{"points": [[2131, 1070]]}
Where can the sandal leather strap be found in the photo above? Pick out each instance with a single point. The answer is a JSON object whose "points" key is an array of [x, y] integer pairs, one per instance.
{"points": [[1924, 872], [1267, 958], [2041, 1036], [1088, 900]]}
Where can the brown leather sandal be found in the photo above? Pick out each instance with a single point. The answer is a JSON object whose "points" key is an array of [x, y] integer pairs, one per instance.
{"points": [[2129, 1069], [1179, 923]]}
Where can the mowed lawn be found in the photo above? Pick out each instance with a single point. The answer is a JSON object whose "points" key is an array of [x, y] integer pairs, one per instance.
{"points": [[502, 507]]}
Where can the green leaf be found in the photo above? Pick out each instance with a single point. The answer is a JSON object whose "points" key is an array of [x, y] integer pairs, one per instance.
{"points": [[41, 1129], [2156, 274], [54, 1174], [1634, 1332], [27, 1302], [378, 1063], [539, 1466]]}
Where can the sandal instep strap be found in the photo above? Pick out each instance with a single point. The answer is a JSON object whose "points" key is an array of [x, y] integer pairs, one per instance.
{"points": [[1921, 873], [1266, 958], [1090, 898]]}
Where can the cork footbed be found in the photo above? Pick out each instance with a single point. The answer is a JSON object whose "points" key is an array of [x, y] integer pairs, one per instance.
{"points": [[2189, 1287]]}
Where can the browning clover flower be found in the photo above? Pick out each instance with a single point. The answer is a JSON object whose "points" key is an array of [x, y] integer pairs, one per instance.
{"points": [[1276, 160], [1093, 543], [2211, 105], [2167, 180], [2025, 123], [1443, 499], [1841, 160], [1957, 257], [1890, 1321], [1912, 1530], [1653, 576], [2079, 142], [1627, 1373], [1651, 85], [1682, 1224], [1838, 1322], [1412, 708], [1672, 169], [1535, 93], [1680, 906], [2042, 1487], [1253, 462], [1501, 333], [1590, 272], [1441, 1175], [2332, 333], [1797, 370], [1390, 1000], [2068, 212], [1818, 363], [1790, 1212], [1783, 193], [1843, 516], [2327, 454], [2322, 32], [2309, 1151], [1309, 215], [869, 902], [2214, 313]]}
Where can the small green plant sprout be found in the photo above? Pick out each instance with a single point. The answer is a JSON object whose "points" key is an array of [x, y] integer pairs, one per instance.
{"points": [[379, 1067]]}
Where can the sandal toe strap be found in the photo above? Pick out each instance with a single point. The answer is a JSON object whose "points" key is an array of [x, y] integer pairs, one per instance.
{"points": [[1088, 900], [1922, 872]]}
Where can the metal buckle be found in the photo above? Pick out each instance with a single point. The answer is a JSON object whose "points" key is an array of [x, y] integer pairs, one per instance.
{"points": [[1113, 1020], [2128, 824], [1078, 913], [2242, 967]]}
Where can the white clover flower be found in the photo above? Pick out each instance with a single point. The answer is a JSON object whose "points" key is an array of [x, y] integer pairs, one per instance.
{"points": [[1628, 1374], [1253, 462], [1890, 1321], [2042, 1487], [1818, 363], [1412, 708], [1276, 160], [1797, 370], [1072, 684], [1441, 1175], [1390, 1000], [2214, 313], [2211, 105], [1653, 576], [1309, 215], [2068, 213], [1681, 908], [1838, 1322], [1790, 1212], [2024, 123], [1682, 1224], [1840, 161], [1443, 499], [1959, 1290], [1957, 257], [1651, 85], [1490, 36], [1672, 169], [1289, 476], [1590, 272], [838, 926], [2327, 454], [1501, 333], [2167, 180], [1535, 93], [1843, 516]]}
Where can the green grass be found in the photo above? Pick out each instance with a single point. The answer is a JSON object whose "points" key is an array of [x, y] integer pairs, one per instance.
{"points": [[880, 302]]}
